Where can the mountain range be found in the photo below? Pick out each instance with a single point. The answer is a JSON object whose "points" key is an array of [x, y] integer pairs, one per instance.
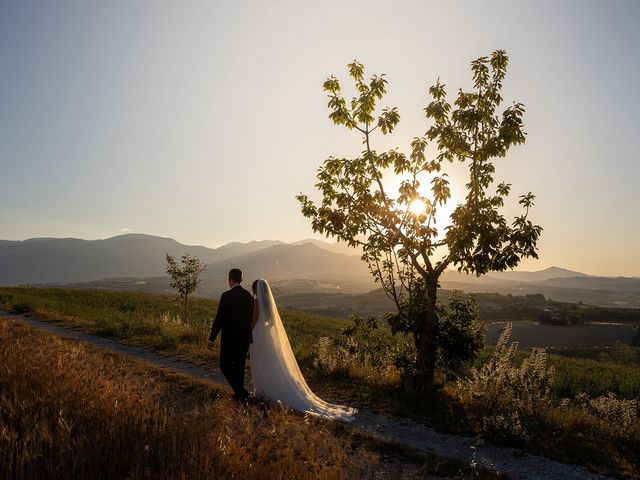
{"points": [[136, 261]]}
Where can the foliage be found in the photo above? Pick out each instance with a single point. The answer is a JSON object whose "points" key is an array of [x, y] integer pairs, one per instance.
{"points": [[460, 336], [185, 278], [518, 401], [400, 242], [527, 385], [363, 345]]}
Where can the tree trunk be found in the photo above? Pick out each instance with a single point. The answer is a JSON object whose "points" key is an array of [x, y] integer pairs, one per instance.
{"points": [[186, 308], [426, 341]]}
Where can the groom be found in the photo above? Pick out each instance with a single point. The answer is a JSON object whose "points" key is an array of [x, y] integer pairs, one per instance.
{"points": [[233, 319]]}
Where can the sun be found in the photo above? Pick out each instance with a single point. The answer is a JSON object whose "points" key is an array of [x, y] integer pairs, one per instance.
{"points": [[417, 207]]}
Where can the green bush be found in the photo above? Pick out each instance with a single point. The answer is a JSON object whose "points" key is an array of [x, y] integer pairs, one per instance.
{"points": [[460, 336], [621, 354], [364, 344], [22, 307]]}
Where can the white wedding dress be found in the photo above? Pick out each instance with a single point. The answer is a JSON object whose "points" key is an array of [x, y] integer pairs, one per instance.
{"points": [[274, 369]]}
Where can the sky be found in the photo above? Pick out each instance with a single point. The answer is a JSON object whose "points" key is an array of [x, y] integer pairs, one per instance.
{"points": [[201, 121]]}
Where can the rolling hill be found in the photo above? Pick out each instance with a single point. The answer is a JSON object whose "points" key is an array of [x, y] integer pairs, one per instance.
{"points": [[135, 259], [136, 262], [72, 260]]}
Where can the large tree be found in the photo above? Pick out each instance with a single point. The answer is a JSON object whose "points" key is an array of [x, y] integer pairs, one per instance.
{"points": [[397, 229]]}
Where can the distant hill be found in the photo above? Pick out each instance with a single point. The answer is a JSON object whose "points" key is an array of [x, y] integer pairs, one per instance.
{"points": [[556, 283], [63, 260], [136, 262], [540, 275], [135, 259], [305, 260], [336, 247], [67, 260], [297, 266], [512, 276]]}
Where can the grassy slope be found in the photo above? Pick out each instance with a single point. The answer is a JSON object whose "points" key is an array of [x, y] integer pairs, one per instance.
{"points": [[150, 319], [137, 318]]}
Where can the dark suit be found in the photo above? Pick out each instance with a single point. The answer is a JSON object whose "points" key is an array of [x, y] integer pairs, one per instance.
{"points": [[233, 321]]}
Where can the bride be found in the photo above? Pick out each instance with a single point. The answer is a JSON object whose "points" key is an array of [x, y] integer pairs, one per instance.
{"points": [[274, 369]]}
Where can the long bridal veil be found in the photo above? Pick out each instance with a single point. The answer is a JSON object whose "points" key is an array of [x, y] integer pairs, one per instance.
{"points": [[274, 369]]}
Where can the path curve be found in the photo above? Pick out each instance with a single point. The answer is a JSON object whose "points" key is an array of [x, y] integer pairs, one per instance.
{"points": [[514, 463]]}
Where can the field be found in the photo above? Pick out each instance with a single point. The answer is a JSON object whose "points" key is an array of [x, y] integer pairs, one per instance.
{"points": [[565, 430], [530, 334]]}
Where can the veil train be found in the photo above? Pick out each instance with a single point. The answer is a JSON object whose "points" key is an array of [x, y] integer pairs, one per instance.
{"points": [[275, 371]]}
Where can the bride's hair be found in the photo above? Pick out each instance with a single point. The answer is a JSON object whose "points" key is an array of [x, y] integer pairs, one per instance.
{"points": [[254, 286]]}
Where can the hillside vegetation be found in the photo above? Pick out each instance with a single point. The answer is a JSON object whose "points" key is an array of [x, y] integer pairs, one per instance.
{"points": [[581, 411]]}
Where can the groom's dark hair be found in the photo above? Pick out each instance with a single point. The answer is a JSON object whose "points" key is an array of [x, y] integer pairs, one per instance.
{"points": [[235, 275]]}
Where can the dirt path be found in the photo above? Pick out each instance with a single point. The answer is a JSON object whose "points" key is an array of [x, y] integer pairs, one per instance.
{"points": [[515, 463]]}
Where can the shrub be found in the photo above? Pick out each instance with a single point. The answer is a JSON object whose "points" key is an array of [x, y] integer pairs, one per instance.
{"points": [[363, 345], [510, 395], [326, 359], [460, 335], [621, 354], [22, 307], [459, 332], [616, 415], [500, 380]]}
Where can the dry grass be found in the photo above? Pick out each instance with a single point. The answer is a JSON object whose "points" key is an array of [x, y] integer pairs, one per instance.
{"points": [[70, 411]]}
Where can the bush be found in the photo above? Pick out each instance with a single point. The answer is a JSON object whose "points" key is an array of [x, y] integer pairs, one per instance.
{"points": [[363, 345], [500, 380], [509, 395], [621, 354], [22, 307], [616, 415], [460, 336]]}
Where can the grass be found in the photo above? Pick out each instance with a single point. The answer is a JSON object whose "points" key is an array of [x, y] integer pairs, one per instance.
{"points": [[69, 411], [575, 376], [152, 320]]}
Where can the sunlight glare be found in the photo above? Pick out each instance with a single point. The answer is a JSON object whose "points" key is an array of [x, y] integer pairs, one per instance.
{"points": [[417, 207]]}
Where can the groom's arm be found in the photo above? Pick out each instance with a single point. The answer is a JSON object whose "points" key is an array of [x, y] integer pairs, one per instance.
{"points": [[217, 322]]}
